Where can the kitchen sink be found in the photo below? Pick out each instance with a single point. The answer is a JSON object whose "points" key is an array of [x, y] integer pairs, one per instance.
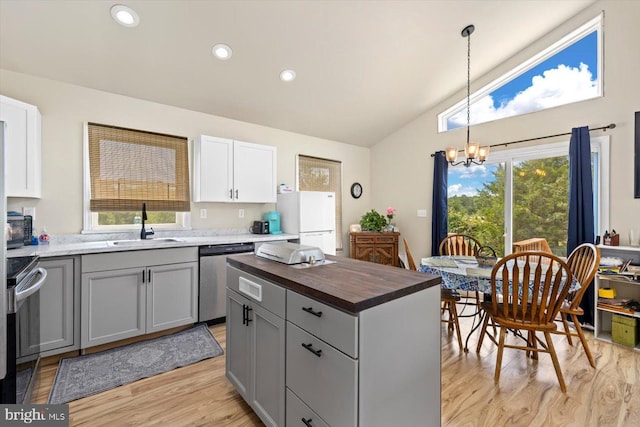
{"points": [[137, 242]]}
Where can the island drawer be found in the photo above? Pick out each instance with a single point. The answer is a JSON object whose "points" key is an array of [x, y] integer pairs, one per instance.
{"points": [[260, 291], [297, 411], [324, 378], [327, 323]]}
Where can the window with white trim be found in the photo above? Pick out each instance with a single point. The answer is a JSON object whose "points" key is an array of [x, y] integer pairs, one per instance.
{"points": [[125, 168], [522, 193], [568, 71]]}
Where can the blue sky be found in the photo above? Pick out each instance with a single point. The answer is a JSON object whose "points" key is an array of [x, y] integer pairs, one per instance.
{"points": [[568, 76], [583, 51]]}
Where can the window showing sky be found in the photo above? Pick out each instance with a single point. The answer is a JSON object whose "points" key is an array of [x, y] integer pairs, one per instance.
{"points": [[467, 181], [570, 75]]}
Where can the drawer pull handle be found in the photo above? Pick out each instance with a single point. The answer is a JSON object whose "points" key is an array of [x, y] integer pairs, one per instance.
{"points": [[310, 311], [310, 348], [307, 422]]}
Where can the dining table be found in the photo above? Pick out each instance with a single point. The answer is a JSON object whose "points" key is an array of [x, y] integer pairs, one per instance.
{"points": [[464, 273]]}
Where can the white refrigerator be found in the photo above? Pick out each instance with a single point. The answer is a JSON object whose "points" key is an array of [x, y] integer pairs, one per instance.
{"points": [[311, 215]]}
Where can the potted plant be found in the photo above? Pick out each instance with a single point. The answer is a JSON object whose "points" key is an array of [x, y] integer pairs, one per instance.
{"points": [[373, 221]]}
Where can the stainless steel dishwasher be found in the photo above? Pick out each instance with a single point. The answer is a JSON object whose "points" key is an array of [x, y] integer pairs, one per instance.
{"points": [[213, 279]]}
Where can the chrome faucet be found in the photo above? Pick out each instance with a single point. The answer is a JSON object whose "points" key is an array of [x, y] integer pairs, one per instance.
{"points": [[144, 233]]}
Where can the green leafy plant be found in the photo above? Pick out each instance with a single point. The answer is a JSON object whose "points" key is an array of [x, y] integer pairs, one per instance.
{"points": [[372, 221]]}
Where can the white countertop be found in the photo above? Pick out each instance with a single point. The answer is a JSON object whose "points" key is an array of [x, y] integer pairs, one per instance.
{"points": [[67, 247]]}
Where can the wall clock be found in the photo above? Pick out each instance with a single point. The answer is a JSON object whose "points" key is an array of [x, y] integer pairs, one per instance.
{"points": [[356, 190]]}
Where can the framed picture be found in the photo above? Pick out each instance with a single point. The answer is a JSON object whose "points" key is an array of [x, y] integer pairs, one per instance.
{"points": [[637, 158]]}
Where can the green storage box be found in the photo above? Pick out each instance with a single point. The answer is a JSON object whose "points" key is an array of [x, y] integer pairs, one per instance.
{"points": [[624, 330]]}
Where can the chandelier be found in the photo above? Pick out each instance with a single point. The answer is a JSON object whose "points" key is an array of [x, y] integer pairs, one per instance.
{"points": [[473, 152]]}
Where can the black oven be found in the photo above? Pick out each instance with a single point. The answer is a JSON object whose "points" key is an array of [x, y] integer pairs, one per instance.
{"points": [[24, 279]]}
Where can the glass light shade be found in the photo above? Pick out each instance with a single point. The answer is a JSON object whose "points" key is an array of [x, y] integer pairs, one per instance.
{"points": [[471, 150], [452, 154], [483, 153]]}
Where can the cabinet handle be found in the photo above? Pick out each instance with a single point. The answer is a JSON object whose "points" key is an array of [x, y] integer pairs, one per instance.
{"points": [[231, 193], [149, 281], [310, 311], [307, 422], [236, 194], [244, 314], [143, 276], [248, 310], [310, 348]]}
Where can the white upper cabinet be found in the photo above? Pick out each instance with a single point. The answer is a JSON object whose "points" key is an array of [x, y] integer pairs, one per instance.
{"points": [[233, 171], [22, 136], [212, 169]]}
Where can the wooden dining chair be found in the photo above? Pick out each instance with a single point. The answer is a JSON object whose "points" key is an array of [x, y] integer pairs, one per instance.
{"points": [[532, 244], [583, 262], [448, 298], [461, 244], [533, 286]]}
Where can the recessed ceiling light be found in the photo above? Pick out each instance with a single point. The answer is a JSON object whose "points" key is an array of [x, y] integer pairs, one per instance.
{"points": [[222, 51], [287, 75], [125, 16]]}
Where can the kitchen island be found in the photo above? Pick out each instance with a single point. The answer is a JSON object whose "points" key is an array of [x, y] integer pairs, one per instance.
{"points": [[350, 343]]}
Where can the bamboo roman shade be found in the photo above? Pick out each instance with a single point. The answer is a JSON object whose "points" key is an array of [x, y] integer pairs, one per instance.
{"points": [[315, 174], [129, 167]]}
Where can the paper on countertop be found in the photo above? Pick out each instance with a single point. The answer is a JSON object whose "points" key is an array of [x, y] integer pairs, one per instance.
{"points": [[439, 262]]}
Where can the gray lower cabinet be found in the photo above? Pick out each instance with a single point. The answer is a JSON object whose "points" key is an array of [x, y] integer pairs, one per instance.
{"points": [[54, 308], [256, 344], [322, 364], [158, 290], [377, 368]]}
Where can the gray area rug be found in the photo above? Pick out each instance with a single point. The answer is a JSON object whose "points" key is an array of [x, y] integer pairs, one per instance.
{"points": [[22, 382], [94, 373]]}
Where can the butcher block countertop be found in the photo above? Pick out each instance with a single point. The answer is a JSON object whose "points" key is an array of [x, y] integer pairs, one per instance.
{"points": [[348, 284]]}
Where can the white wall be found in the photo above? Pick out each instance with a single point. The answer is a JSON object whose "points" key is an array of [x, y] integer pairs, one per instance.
{"points": [[66, 107], [402, 167]]}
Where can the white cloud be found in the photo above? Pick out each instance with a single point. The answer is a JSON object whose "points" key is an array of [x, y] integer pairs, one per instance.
{"points": [[473, 172], [461, 190], [556, 86]]}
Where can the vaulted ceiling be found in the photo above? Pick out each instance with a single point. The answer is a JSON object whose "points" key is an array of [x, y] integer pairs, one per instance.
{"points": [[364, 68]]}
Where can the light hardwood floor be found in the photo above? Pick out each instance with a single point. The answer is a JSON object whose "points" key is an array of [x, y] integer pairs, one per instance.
{"points": [[528, 393]]}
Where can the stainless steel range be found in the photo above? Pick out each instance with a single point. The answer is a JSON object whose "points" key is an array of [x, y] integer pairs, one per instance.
{"points": [[24, 279]]}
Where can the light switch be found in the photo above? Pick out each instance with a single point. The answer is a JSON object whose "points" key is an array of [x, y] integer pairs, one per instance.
{"points": [[203, 213], [240, 213], [422, 213]]}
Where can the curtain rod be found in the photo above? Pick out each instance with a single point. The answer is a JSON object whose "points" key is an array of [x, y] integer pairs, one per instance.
{"points": [[504, 144]]}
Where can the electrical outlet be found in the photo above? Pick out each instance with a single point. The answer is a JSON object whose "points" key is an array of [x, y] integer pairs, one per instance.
{"points": [[29, 211], [422, 213], [203, 213], [240, 213]]}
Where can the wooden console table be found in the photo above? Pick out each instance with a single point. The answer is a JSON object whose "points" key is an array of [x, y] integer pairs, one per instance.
{"points": [[381, 248]]}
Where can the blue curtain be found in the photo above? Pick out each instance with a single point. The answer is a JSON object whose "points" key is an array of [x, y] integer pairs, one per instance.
{"points": [[439, 215], [581, 218]]}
